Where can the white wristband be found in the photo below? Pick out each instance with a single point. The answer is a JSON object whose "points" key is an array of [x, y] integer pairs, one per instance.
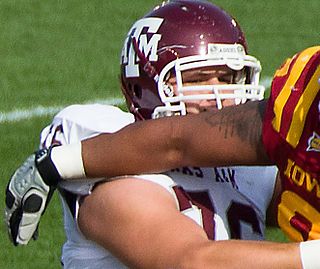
{"points": [[68, 161], [309, 254]]}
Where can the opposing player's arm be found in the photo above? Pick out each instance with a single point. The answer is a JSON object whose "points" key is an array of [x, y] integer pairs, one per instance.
{"points": [[166, 238], [228, 137]]}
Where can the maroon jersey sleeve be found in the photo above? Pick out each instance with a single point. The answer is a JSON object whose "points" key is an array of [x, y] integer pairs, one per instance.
{"points": [[291, 136]]}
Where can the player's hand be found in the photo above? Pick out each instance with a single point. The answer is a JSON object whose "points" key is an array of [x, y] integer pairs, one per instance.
{"points": [[27, 196]]}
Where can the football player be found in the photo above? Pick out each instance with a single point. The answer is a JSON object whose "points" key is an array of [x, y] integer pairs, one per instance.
{"points": [[282, 130], [172, 83]]}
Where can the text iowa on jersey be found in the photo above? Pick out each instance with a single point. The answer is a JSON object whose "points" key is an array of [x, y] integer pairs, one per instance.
{"points": [[302, 178]]}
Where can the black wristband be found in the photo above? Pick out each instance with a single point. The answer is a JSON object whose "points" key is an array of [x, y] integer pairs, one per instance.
{"points": [[46, 168]]}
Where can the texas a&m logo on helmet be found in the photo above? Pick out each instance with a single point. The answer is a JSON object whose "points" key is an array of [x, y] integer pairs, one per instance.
{"points": [[139, 41]]}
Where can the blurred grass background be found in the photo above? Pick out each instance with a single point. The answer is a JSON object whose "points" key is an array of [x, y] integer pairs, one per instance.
{"points": [[55, 53]]}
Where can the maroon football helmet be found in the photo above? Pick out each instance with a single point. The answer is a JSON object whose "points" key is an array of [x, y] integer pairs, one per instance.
{"points": [[182, 35]]}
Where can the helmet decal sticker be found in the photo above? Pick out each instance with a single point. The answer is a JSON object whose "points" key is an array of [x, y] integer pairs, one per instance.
{"points": [[314, 143], [147, 46]]}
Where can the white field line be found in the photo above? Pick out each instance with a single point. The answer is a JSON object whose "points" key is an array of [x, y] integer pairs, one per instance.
{"points": [[39, 111]]}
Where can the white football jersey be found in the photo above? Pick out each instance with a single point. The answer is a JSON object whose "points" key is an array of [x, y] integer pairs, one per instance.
{"points": [[228, 202]]}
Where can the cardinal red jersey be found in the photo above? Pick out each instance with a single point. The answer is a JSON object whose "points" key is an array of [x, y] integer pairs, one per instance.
{"points": [[291, 135]]}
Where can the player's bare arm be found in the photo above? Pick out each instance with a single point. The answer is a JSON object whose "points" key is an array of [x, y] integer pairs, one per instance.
{"points": [[167, 238], [231, 136]]}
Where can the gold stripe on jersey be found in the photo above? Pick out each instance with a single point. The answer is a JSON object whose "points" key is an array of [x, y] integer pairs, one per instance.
{"points": [[284, 95], [283, 70], [301, 110]]}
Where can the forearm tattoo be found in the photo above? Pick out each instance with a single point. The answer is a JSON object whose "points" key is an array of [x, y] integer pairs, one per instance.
{"points": [[243, 121]]}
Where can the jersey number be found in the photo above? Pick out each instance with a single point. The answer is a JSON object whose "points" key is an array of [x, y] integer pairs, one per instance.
{"points": [[297, 218], [236, 212]]}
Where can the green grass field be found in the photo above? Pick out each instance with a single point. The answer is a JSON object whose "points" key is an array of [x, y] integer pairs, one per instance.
{"points": [[55, 53]]}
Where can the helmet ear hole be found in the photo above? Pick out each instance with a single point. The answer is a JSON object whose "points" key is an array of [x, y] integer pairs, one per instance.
{"points": [[137, 91]]}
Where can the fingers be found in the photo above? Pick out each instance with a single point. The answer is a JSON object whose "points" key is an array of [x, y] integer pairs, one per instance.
{"points": [[9, 198], [12, 215], [33, 206], [35, 235], [27, 196], [33, 203], [14, 223], [23, 217], [27, 227]]}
